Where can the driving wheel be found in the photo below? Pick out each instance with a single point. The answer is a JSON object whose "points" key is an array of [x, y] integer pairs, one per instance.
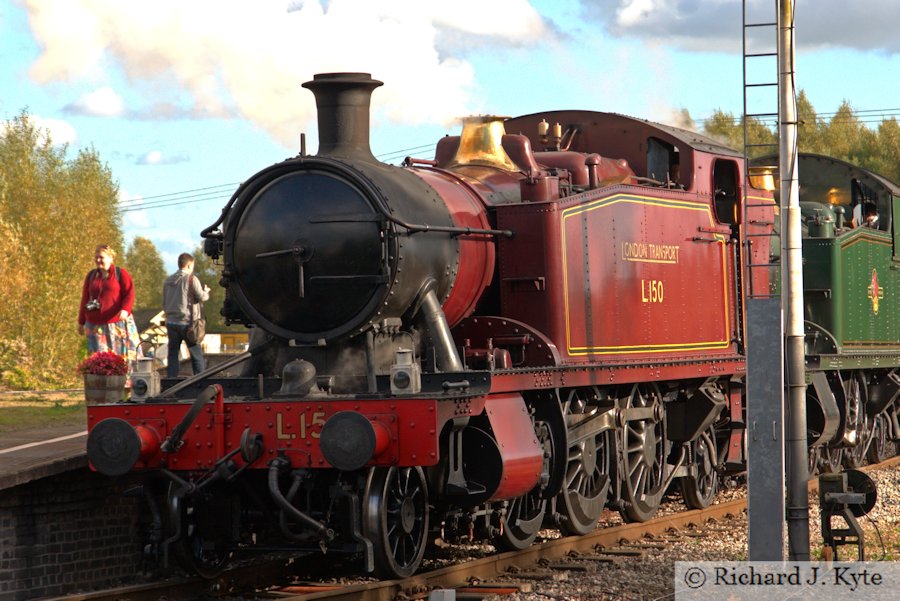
{"points": [[857, 421], [700, 489], [881, 447], [588, 469], [643, 449], [524, 515], [831, 460]]}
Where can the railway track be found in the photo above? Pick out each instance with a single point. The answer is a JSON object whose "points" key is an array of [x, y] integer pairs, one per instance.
{"points": [[471, 579], [604, 544]]}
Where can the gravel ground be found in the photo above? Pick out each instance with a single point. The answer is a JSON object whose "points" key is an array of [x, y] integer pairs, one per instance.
{"points": [[651, 577]]}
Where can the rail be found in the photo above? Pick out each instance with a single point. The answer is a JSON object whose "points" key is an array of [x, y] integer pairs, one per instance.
{"points": [[268, 580]]}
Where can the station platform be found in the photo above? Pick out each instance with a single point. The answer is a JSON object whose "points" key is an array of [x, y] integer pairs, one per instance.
{"points": [[27, 455]]}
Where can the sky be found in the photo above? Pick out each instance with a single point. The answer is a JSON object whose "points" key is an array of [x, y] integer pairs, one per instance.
{"points": [[183, 100]]}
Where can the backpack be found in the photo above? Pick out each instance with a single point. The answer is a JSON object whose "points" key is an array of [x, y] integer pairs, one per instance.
{"points": [[196, 329], [96, 272]]}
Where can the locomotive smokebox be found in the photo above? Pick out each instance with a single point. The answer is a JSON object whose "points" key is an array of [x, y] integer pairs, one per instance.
{"points": [[320, 249], [342, 101]]}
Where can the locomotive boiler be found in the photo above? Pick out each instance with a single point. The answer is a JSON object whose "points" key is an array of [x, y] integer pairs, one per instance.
{"points": [[544, 320]]}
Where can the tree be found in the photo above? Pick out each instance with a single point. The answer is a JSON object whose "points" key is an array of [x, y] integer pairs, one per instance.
{"points": [[810, 129], [210, 274], [887, 162], [844, 136], [724, 128], [15, 363], [146, 267], [56, 211], [730, 130]]}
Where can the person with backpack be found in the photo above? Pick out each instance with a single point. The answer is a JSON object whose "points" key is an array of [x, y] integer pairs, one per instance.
{"points": [[182, 295], [105, 313]]}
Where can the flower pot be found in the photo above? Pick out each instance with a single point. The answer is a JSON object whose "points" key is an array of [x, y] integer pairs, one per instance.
{"points": [[103, 389]]}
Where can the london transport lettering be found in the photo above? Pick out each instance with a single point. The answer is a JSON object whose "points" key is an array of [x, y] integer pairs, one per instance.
{"points": [[647, 252], [652, 291]]}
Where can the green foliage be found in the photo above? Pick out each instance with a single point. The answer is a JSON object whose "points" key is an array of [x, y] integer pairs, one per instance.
{"points": [[887, 160], [725, 128], [145, 264], [730, 130], [15, 365], [810, 126], [53, 212], [210, 274], [843, 136]]}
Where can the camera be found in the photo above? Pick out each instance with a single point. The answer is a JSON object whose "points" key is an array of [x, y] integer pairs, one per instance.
{"points": [[92, 305]]}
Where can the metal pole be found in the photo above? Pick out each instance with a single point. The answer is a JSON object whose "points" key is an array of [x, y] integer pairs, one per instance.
{"points": [[792, 286], [766, 492]]}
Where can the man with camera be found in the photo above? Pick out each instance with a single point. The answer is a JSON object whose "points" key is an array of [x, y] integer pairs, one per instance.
{"points": [[182, 295]]}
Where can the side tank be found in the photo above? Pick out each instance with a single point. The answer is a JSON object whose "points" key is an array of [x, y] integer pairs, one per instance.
{"points": [[851, 271]]}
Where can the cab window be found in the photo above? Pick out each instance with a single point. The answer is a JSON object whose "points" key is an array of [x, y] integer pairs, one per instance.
{"points": [[725, 190]]}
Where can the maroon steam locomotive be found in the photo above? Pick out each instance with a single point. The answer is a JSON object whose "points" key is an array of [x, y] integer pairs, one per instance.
{"points": [[543, 321]]}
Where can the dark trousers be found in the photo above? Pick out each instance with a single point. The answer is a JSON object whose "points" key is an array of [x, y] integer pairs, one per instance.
{"points": [[176, 335]]}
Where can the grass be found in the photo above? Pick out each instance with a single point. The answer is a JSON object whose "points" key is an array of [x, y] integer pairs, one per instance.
{"points": [[881, 527], [883, 548], [25, 412]]}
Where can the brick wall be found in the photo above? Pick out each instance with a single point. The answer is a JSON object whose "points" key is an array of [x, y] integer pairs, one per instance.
{"points": [[67, 533]]}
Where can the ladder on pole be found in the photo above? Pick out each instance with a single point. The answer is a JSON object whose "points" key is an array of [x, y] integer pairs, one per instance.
{"points": [[750, 60], [766, 498]]}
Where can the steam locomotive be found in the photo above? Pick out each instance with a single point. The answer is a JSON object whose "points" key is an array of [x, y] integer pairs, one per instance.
{"points": [[545, 320]]}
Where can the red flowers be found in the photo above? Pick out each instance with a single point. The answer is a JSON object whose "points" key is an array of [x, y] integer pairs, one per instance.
{"points": [[104, 364]]}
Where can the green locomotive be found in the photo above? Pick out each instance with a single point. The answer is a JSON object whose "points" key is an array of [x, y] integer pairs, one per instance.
{"points": [[851, 295]]}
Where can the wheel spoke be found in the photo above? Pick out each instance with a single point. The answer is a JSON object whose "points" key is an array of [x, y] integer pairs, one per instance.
{"points": [[643, 455], [698, 491], [397, 523], [586, 482]]}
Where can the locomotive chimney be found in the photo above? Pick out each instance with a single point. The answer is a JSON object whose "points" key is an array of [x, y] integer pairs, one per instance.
{"points": [[343, 100]]}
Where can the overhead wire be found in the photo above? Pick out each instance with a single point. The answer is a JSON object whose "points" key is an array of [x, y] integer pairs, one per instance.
{"points": [[875, 118], [222, 192], [145, 198]]}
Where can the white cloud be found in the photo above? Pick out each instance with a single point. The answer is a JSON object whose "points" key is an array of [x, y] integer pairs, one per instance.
{"points": [[633, 12], [157, 157], [715, 25], [154, 157], [134, 219], [137, 219], [247, 60], [169, 241], [511, 20], [102, 102], [60, 132]]}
